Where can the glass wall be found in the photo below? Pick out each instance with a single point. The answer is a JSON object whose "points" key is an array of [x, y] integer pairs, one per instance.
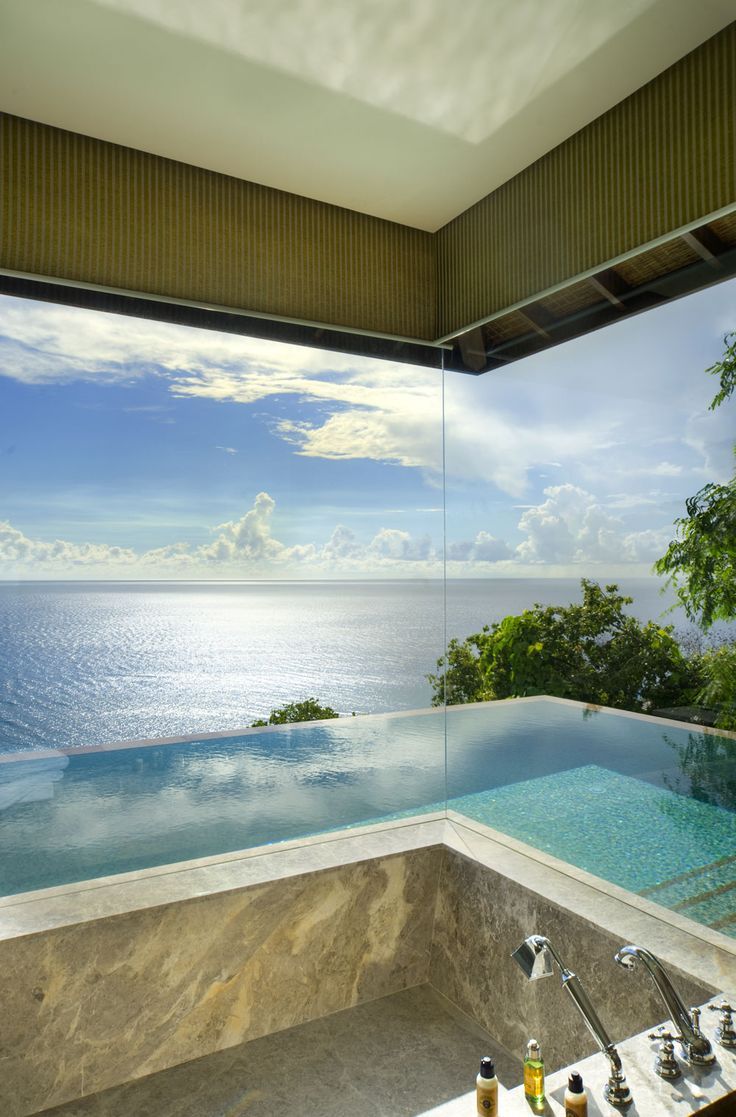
{"points": [[230, 569], [202, 534], [566, 473]]}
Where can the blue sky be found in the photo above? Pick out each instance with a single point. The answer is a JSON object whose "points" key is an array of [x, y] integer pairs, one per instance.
{"points": [[141, 450]]}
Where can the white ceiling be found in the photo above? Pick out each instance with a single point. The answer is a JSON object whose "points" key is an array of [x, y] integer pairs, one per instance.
{"points": [[408, 109]]}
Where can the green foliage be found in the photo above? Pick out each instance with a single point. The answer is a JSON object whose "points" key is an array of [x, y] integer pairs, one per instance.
{"points": [[709, 766], [725, 370], [593, 652], [719, 692], [308, 709], [465, 679], [700, 563]]}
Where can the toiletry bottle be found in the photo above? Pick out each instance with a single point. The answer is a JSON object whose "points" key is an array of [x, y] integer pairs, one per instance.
{"points": [[486, 1089], [576, 1099], [533, 1072]]}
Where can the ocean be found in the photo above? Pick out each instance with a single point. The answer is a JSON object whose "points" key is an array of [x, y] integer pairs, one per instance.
{"points": [[87, 663]]}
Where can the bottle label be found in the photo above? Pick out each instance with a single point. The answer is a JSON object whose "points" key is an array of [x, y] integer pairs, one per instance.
{"points": [[487, 1103]]}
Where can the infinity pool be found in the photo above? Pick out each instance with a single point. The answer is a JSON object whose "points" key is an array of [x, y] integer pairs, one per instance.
{"points": [[637, 801]]}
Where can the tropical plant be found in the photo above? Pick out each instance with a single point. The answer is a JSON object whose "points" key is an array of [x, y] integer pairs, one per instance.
{"points": [[719, 692], [593, 652], [700, 563], [309, 709]]}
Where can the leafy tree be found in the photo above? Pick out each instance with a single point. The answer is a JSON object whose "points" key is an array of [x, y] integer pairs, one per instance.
{"points": [[308, 709], [465, 678], [725, 370], [593, 652], [701, 561], [719, 692]]}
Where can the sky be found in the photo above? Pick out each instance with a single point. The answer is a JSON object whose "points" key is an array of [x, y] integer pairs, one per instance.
{"points": [[141, 450]]}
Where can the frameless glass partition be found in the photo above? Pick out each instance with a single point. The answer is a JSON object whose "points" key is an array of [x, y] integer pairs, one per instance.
{"points": [[578, 684], [221, 593]]}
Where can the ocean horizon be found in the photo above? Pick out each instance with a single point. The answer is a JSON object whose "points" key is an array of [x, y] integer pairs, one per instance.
{"points": [[87, 663]]}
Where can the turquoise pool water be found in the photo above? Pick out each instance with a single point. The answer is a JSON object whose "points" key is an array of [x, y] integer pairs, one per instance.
{"points": [[642, 804], [675, 850]]}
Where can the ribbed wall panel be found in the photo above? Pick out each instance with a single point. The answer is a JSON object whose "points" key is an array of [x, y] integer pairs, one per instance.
{"points": [[664, 157], [81, 209], [84, 210]]}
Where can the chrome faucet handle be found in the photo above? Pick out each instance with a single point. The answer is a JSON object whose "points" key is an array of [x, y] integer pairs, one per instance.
{"points": [[665, 1064], [725, 1032], [698, 1050]]}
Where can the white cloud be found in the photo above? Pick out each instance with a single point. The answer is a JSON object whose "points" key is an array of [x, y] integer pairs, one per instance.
{"points": [[17, 549], [483, 549], [400, 546], [242, 547], [601, 413], [569, 528], [572, 527]]}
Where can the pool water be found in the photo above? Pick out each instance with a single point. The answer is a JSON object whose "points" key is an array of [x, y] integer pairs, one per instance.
{"points": [[677, 851], [634, 800]]}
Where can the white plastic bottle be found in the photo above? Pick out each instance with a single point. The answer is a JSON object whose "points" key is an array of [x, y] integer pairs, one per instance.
{"points": [[486, 1089], [576, 1099]]}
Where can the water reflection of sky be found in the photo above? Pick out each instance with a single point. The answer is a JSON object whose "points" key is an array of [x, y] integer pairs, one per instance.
{"points": [[67, 818]]}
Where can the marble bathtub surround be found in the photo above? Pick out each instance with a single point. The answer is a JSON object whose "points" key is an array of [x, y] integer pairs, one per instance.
{"points": [[109, 1000], [482, 916], [70, 904], [103, 994], [401, 1056], [683, 945], [395, 1057]]}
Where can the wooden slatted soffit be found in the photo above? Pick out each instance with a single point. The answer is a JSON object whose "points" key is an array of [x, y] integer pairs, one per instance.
{"points": [[684, 264]]}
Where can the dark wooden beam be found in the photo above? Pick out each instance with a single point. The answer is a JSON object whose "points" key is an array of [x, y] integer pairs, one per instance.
{"points": [[473, 349], [540, 320], [706, 243], [611, 286]]}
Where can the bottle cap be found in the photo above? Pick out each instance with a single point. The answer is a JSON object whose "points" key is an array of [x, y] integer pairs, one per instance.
{"points": [[532, 1050], [487, 1069], [575, 1083]]}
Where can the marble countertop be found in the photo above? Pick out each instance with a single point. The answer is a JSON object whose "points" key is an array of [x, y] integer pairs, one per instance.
{"points": [[696, 1088]]}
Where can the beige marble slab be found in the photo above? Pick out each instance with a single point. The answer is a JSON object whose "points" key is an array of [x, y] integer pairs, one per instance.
{"points": [[106, 1001], [687, 947], [70, 904], [483, 915]]}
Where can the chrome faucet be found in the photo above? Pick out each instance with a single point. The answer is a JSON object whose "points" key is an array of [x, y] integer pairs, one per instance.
{"points": [[535, 956], [696, 1049]]}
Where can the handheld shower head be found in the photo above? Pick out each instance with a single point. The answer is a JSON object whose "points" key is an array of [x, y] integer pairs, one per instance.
{"points": [[534, 957]]}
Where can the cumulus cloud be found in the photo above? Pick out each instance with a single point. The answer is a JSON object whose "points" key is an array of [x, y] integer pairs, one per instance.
{"points": [[400, 546], [484, 548], [572, 527], [569, 528], [245, 546], [17, 548]]}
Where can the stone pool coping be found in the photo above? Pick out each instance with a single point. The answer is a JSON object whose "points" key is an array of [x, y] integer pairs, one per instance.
{"points": [[690, 947]]}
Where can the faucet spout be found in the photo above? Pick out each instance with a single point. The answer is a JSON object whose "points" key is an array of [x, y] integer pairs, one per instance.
{"points": [[695, 1047]]}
